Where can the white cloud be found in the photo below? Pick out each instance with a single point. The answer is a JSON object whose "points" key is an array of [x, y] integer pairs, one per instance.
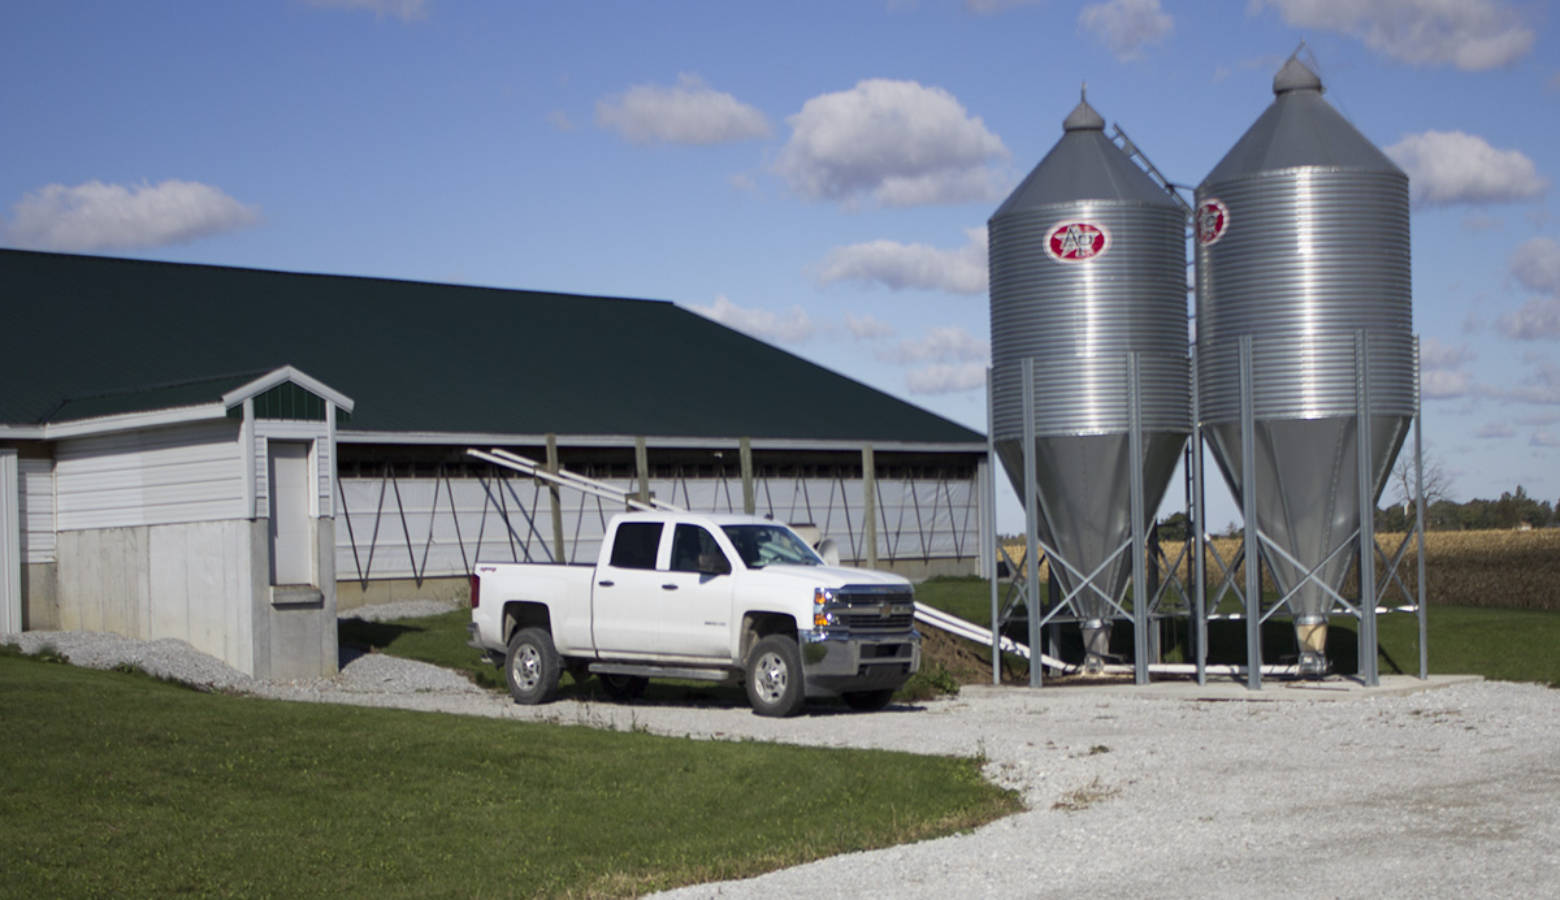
{"points": [[1536, 320], [791, 327], [1125, 27], [898, 266], [1441, 373], [1444, 384], [1437, 354], [946, 379], [943, 344], [98, 216], [867, 327], [1495, 431], [1447, 167], [690, 112], [1540, 387], [1469, 34], [1536, 263], [898, 142], [405, 10], [1544, 439]]}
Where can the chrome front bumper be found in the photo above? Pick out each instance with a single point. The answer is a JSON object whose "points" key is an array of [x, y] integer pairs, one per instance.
{"points": [[835, 663]]}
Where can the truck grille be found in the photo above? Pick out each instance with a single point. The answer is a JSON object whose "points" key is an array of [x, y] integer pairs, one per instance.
{"points": [[873, 609]]}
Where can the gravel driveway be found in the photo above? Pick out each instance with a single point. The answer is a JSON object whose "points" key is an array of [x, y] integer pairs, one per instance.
{"points": [[1333, 790]]}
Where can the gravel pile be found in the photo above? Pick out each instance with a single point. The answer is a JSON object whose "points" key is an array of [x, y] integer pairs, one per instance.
{"points": [[1439, 793]]}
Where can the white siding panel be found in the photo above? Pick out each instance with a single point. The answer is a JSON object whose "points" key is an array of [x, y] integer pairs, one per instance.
{"points": [[188, 473], [38, 543]]}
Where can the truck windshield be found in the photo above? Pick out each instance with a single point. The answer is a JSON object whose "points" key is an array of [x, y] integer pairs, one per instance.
{"points": [[763, 545]]}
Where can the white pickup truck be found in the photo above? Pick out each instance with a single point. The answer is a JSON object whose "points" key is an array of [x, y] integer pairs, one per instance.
{"points": [[703, 597]]}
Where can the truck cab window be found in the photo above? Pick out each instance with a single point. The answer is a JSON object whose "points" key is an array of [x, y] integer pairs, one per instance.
{"points": [[695, 550], [636, 544]]}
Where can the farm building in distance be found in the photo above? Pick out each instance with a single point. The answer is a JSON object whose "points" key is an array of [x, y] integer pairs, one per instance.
{"points": [[229, 456]]}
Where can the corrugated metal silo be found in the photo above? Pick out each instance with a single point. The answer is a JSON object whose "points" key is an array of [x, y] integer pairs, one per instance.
{"points": [[1087, 263], [1302, 244]]}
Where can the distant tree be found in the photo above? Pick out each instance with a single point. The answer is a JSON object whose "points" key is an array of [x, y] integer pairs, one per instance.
{"points": [[1437, 484], [1173, 528]]}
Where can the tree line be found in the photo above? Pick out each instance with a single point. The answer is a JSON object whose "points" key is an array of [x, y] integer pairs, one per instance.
{"points": [[1513, 509]]}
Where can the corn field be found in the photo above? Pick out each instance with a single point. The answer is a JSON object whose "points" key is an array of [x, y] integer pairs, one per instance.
{"points": [[1496, 569]]}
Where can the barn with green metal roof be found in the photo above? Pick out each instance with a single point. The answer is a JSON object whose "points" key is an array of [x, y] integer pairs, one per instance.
{"points": [[232, 456]]}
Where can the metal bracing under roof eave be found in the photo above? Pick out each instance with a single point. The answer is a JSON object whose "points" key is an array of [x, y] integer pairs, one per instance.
{"points": [[425, 438]]}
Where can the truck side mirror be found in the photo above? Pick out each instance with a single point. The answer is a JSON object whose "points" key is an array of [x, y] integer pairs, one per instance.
{"points": [[830, 551]]}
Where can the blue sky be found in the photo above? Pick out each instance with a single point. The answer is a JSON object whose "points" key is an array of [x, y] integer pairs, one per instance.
{"points": [[818, 174]]}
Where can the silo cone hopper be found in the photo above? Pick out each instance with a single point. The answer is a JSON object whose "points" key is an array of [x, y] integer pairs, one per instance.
{"points": [[1082, 486], [1307, 502]]}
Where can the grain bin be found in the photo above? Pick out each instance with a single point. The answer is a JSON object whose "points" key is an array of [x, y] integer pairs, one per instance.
{"points": [[1087, 264], [1303, 246]]}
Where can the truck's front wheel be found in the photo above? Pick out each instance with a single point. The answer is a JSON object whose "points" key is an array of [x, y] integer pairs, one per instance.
{"points": [[774, 677], [532, 666]]}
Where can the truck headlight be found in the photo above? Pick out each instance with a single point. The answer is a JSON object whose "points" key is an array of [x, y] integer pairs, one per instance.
{"points": [[822, 597]]}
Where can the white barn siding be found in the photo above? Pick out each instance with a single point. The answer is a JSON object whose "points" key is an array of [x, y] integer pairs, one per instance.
{"points": [[37, 510], [186, 473]]}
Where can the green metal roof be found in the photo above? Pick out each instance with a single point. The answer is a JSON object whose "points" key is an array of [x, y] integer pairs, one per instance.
{"points": [[87, 335]]}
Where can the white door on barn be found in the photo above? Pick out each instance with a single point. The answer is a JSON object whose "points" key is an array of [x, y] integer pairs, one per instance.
{"points": [[292, 544], [10, 544]]}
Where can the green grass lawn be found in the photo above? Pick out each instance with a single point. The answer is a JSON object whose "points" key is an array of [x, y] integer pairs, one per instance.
{"points": [[1502, 644], [113, 784]]}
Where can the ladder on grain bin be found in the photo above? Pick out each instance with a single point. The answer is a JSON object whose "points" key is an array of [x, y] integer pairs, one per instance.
{"points": [[926, 615]]}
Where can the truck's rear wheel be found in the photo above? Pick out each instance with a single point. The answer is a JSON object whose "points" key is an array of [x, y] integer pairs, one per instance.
{"points": [[868, 700], [624, 687], [532, 666], [774, 677]]}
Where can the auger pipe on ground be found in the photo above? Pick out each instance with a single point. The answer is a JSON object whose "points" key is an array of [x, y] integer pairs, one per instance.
{"points": [[954, 625]]}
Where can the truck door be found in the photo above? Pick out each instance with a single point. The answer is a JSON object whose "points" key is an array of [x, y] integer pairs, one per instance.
{"points": [[626, 595], [696, 596]]}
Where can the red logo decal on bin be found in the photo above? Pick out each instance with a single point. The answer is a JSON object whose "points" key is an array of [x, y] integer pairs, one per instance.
{"points": [[1213, 219], [1077, 241]]}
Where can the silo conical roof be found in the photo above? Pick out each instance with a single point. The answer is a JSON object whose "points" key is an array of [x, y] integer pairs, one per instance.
{"points": [[1085, 165], [1299, 129]]}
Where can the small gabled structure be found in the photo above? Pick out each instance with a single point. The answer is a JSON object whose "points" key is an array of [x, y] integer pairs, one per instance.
{"points": [[199, 510]]}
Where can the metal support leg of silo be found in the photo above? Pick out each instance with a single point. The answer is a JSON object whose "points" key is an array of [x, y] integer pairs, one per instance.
{"points": [[1419, 520], [1031, 526], [1140, 598], [1248, 463], [1196, 521], [991, 527], [1368, 668]]}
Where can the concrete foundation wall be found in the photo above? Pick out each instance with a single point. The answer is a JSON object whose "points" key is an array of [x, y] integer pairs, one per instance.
{"points": [[191, 581], [205, 583], [40, 605]]}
